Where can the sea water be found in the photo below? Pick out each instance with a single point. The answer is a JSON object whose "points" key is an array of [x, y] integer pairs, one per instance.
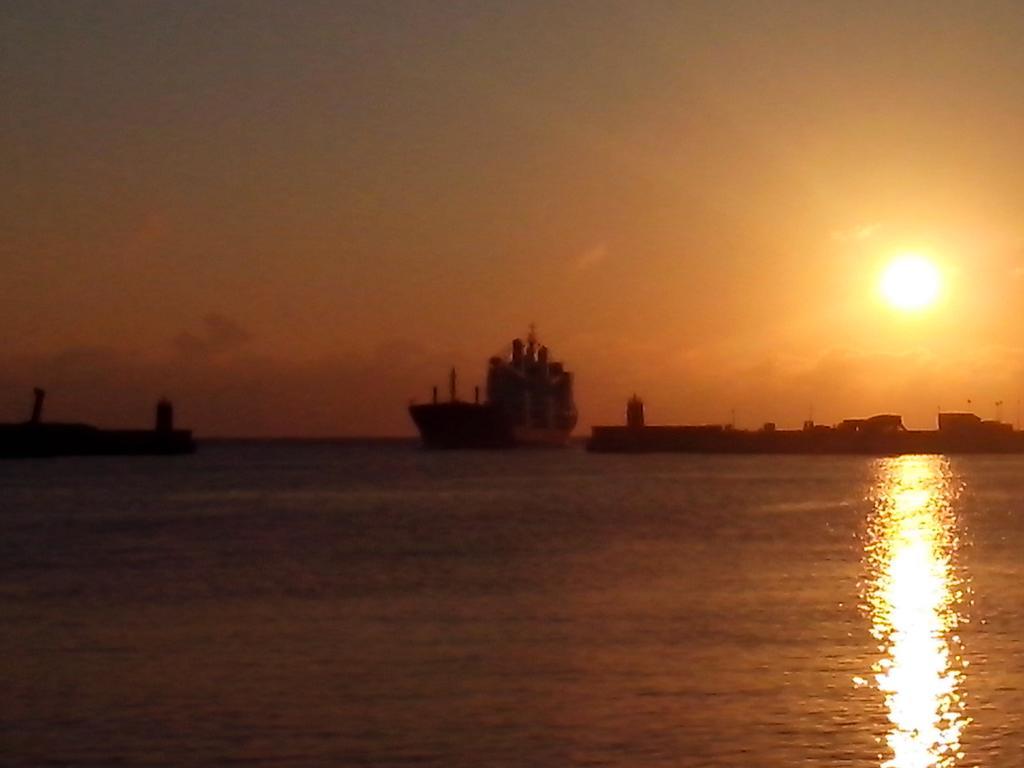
{"points": [[375, 604]]}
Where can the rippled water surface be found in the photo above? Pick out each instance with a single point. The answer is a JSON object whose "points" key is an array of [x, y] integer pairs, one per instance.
{"points": [[362, 604]]}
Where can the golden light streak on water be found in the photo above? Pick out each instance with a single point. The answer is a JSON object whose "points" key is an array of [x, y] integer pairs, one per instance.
{"points": [[913, 596]]}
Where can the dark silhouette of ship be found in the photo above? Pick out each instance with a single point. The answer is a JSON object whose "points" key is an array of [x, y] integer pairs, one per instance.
{"points": [[36, 438], [882, 435], [529, 402]]}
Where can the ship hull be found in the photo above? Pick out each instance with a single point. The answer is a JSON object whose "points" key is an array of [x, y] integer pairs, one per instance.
{"points": [[540, 437], [478, 426]]}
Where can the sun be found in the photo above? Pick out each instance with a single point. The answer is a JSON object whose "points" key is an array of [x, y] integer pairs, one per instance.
{"points": [[911, 282]]}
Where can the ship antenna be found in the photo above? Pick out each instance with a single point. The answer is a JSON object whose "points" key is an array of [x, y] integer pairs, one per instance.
{"points": [[532, 338], [451, 385]]}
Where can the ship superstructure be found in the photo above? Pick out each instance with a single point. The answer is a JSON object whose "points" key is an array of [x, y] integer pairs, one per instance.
{"points": [[529, 402]]}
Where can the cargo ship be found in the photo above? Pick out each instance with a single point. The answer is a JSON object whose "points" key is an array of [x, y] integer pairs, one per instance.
{"points": [[528, 403], [35, 438], [881, 435]]}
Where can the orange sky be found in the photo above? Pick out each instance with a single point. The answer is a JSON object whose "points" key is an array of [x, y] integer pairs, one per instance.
{"points": [[292, 218]]}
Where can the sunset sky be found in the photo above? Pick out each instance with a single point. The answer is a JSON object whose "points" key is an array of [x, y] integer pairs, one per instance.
{"points": [[292, 218]]}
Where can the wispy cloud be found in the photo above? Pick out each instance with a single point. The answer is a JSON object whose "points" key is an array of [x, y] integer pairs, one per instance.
{"points": [[219, 334], [590, 258], [857, 232]]}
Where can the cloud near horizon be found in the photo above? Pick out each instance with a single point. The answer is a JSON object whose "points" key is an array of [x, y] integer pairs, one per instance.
{"points": [[219, 334], [222, 388]]}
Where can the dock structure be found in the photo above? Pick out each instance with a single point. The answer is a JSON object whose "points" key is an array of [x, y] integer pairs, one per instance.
{"points": [[881, 435], [36, 438]]}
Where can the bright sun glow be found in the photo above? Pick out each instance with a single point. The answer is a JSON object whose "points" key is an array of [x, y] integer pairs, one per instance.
{"points": [[910, 282]]}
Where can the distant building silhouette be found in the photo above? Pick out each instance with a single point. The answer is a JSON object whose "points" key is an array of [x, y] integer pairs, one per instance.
{"points": [[881, 435]]}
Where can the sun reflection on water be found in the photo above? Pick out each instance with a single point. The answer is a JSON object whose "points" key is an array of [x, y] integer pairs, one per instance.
{"points": [[913, 596]]}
